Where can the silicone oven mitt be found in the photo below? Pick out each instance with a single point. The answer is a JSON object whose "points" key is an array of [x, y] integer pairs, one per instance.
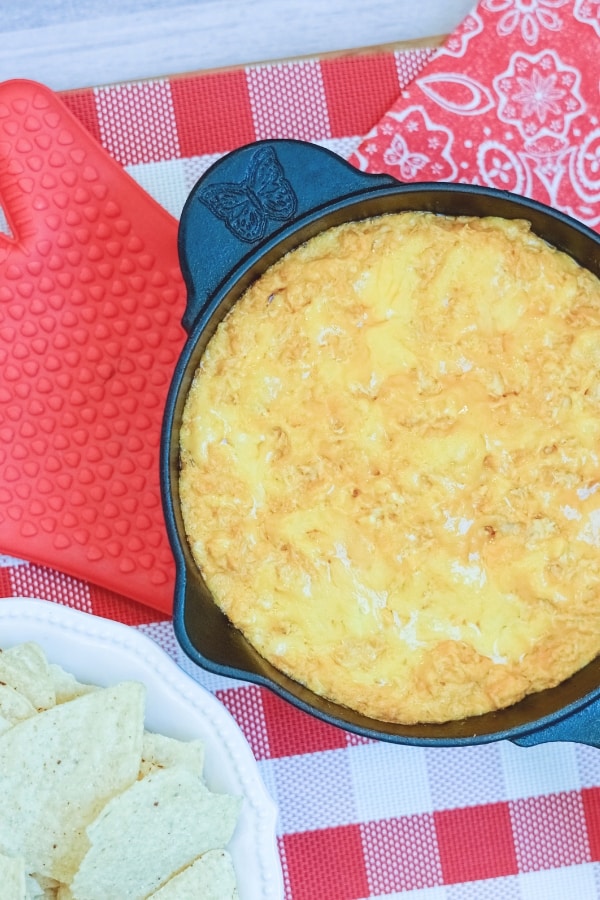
{"points": [[91, 299]]}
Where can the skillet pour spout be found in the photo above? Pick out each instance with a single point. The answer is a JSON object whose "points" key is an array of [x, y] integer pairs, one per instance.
{"points": [[249, 209]]}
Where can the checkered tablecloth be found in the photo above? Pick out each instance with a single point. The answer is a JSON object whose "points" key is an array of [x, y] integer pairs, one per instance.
{"points": [[358, 818]]}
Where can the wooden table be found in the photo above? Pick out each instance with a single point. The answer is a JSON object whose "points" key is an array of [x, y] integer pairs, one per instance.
{"points": [[67, 45]]}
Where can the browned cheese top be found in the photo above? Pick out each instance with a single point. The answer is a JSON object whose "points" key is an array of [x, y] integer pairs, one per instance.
{"points": [[390, 465]]}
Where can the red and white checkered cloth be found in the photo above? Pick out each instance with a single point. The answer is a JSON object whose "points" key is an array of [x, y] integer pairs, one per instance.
{"points": [[358, 819]]}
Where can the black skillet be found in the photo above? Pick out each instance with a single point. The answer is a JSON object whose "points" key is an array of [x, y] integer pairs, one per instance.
{"points": [[246, 211]]}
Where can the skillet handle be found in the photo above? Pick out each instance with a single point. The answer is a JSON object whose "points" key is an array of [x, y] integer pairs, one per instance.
{"points": [[246, 198], [580, 727]]}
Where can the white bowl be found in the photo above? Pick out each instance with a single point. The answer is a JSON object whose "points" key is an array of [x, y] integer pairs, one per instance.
{"points": [[103, 652]]}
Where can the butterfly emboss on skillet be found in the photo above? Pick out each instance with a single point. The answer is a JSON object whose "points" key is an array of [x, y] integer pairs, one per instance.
{"points": [[248, 206]]}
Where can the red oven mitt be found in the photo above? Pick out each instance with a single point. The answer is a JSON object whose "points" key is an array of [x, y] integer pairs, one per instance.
{"points": [[91, 299]]}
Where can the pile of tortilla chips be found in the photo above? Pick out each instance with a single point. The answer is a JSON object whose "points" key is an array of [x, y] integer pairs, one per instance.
{"points": [[93, 806]]}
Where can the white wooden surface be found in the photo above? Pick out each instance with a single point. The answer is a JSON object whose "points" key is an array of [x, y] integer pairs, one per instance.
{"points": [[78, 43]]}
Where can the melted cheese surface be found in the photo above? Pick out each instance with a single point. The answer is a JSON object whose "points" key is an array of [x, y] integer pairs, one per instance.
{"points": [[390, 475]]}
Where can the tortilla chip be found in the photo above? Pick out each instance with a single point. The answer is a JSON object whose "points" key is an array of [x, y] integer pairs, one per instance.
{"points": [[161, 752], [64, 893], [211, 877], [66, 687], [25, 668], [12, 878], [5, 724], [59, 768], [14, 706], [150, 832], [40, 888]]}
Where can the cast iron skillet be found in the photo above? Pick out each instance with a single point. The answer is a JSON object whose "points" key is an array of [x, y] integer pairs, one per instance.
{"points": [[248, 209]]}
